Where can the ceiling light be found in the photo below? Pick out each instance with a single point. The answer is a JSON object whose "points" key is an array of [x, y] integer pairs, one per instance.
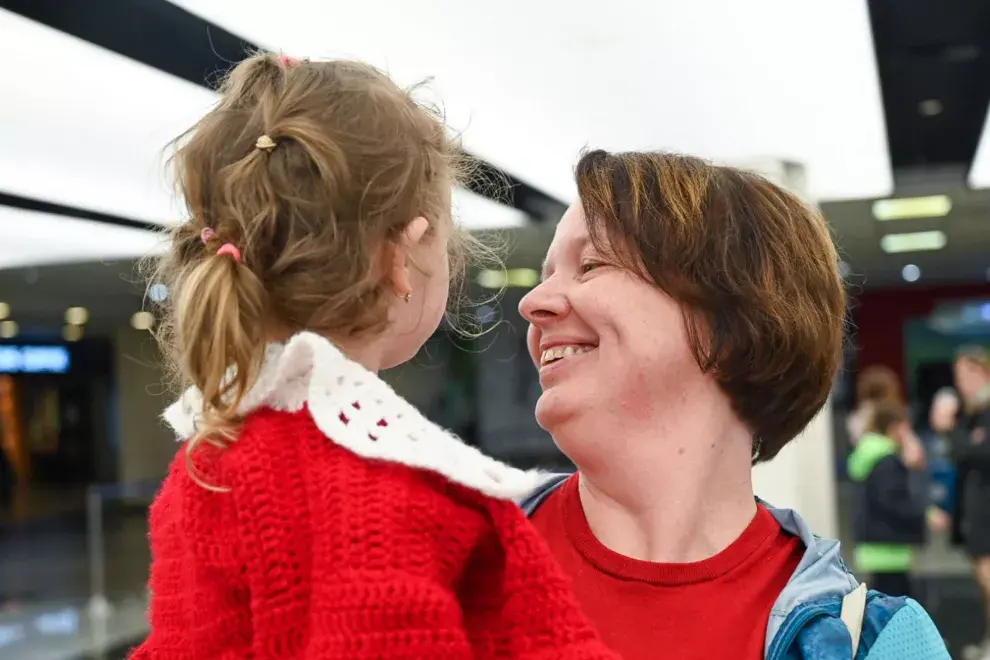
{"points": [[158, 292], [492, 279], [8, 329], [74, 164], [76, 316], [72, 333], [930, 107], [911, 273], [29, 239], [523, 278], [933, 206], [4, 310], [918, 241], [142, 321], [474, 212]]}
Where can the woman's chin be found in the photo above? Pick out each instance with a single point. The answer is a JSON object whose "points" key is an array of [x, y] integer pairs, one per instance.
{"points": [[555, 409]]}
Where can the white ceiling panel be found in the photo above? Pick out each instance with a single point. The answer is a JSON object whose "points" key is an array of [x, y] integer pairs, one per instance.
{"points": [[92, 132], [531, 83], [473, 211], [979, 171], [84, 127], [28, 238]]}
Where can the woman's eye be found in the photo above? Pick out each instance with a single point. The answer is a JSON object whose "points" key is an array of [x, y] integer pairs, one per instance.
{"points": [[589, 266]]}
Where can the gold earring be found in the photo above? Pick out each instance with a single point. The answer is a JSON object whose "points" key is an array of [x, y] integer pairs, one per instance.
{"points": [[407, 296]]}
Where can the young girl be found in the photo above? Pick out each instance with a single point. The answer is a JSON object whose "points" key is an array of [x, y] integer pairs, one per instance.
{"points": [[889, 464], [312, 512]]}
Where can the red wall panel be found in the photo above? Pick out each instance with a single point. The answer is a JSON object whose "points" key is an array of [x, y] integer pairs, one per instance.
{"points": [[880, 316]]}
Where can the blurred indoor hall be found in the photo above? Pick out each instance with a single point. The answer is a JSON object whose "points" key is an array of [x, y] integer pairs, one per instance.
{"points": [[873, 110]]}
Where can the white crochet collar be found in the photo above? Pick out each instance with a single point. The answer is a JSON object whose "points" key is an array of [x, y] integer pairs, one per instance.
{"points": [[309, 369]]}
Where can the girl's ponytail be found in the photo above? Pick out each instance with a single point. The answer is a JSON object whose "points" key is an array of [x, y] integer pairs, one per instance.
{"points": [[219, 315]]}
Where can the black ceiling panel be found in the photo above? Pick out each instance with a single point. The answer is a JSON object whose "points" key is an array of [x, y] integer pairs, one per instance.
{"points": [[934, 63]]}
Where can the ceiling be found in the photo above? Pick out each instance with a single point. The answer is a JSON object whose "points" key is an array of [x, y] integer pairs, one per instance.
{"points": [[934, 62], [933, 58], [899, 107], [530, 84], [39, 296], [965, 258]]}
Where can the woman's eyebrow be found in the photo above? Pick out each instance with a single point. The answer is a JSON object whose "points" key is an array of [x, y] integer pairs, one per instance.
{"points": [[575, 245]]}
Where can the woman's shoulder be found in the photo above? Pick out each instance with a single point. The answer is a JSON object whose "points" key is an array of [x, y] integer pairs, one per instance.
{"points": [[882, 628]]}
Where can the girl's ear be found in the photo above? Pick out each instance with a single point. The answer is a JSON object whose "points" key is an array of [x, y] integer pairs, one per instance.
{"points": [[397, 255]]}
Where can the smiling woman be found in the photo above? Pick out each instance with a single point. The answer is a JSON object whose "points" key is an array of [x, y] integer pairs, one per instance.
{"points": [[688, 325]]}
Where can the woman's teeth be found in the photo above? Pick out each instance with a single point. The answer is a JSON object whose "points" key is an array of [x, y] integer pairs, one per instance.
{"points": [[561, 352]]}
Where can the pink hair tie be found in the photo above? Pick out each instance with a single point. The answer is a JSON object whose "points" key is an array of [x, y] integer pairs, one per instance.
{"points": [[288, 62], [231, 249]]}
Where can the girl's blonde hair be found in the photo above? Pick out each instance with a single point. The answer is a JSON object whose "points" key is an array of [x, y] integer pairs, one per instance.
{"points": [[307, 168]]}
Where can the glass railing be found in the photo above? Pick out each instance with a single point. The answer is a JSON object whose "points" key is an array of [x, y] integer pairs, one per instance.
{"points": [[81, 592]]}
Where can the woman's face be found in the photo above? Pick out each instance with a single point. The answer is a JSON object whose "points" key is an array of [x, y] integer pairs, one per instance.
{"points": [[942, 416], [970, 378], [604, 340]]}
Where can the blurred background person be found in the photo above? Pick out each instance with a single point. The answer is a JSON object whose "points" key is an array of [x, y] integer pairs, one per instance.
{"points": [[944, 412], [937, 439], [972, 455], [890, 514], [875, 385]]}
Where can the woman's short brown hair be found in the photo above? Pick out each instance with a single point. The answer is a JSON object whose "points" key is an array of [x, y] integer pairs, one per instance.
{"points": [[753, 266]]}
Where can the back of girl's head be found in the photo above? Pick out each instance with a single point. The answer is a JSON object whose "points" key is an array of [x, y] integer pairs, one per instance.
{"points": [[888, 416], [307, 169], [877, 383]]}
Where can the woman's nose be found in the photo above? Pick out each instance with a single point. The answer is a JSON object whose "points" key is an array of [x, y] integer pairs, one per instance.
{"points": [[543, 303]]}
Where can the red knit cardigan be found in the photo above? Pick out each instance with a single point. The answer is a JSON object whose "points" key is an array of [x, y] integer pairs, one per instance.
{"points": [[351, 527]]}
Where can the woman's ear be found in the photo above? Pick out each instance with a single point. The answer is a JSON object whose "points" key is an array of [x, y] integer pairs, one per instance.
{"points": [[397, 255]]}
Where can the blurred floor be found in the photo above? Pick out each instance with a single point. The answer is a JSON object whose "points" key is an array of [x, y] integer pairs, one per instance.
{"points": [[45, 588], [43, 502]]}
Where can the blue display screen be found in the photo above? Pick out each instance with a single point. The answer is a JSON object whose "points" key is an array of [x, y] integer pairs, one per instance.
{"points": [[34, 359]]}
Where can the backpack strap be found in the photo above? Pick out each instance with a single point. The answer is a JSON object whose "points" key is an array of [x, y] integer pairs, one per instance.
{"points": [[853, 608], [532, 502]]}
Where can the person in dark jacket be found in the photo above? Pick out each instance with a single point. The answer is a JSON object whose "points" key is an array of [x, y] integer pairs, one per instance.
{"points": [[889, 464], [971, 451]]}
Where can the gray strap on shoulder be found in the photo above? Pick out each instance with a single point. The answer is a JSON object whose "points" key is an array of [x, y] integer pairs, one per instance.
{"points": [[532, 502]]}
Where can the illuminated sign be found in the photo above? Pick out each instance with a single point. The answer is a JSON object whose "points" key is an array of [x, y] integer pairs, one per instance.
{"points": [[34, 359]]}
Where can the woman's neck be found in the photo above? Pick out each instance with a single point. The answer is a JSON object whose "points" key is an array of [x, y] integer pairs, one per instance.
{"points": [[669, 503]]}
